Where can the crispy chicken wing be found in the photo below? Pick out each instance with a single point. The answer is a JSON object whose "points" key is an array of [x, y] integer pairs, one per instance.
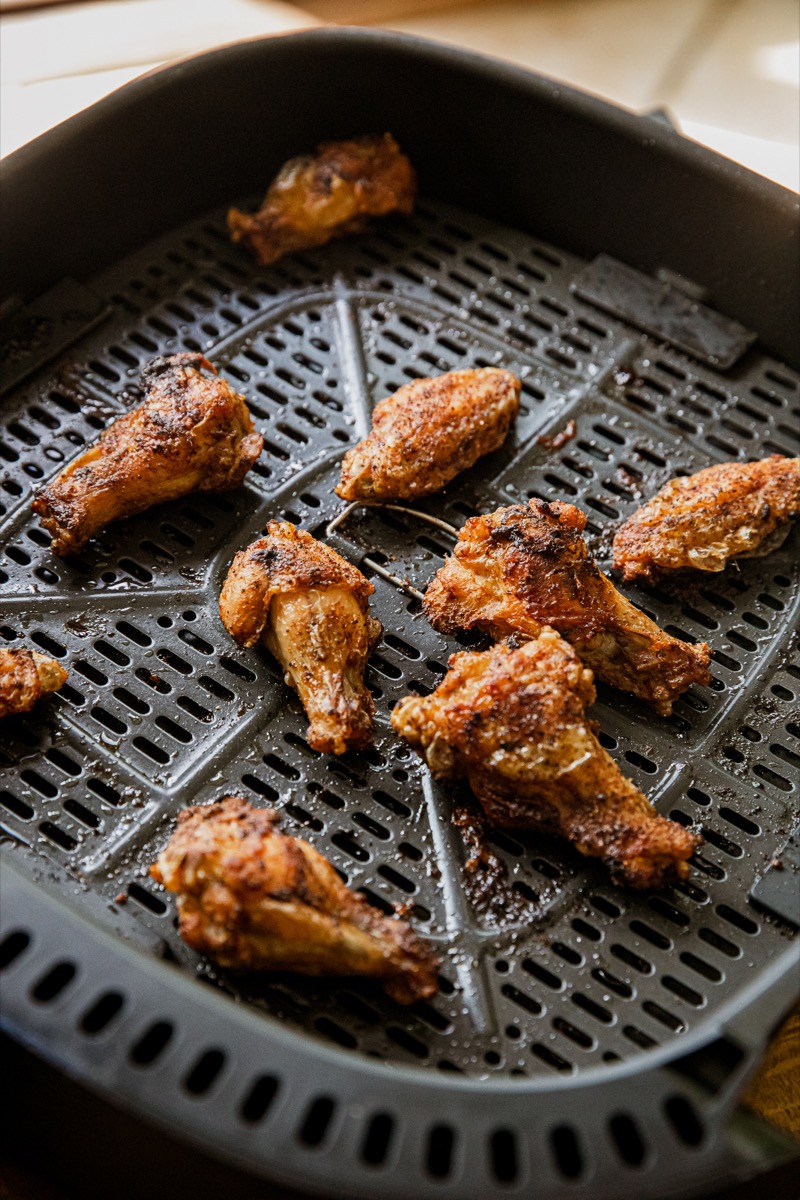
{"points": [[255, 899], [310, 608], [512, 722], [315, 198], [25, 675], [193, 433], [429, 431], [732, 510], [526, 566]]}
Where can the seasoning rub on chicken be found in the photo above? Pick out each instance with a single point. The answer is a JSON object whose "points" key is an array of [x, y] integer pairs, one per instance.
{"points": [[700, 522], [318, 197], [25, 676], [193, 433], [520, 568], [255, 899], [511, 720], [310, 608], [429, 431]]}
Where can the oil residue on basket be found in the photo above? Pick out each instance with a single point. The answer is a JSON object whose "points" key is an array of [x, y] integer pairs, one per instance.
{"points": [[495, 902]]}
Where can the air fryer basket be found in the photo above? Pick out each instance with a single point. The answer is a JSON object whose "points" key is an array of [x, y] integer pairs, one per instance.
{"points": [[586, 1040]]}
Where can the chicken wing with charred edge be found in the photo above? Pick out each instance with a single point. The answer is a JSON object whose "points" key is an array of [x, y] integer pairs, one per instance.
{"points": [[310, 608], [522, 567], [316, 198], [512, 721], [25, 676], [429, 431], [193, 433], [731, 510], [254, 899]]}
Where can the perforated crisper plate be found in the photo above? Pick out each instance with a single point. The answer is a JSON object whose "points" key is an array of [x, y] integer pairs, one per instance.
{"points": [[562, 972]]}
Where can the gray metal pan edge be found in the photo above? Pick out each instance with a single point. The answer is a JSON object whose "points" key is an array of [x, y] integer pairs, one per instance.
{"points": [[686, 986], [528, 151], [730, 1147]]}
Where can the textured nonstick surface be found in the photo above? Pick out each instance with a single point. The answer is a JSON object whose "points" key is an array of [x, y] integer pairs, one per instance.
{"points": [[557, 969]]}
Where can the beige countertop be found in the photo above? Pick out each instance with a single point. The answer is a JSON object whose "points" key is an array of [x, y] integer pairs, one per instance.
{"points": [[728, 70]]}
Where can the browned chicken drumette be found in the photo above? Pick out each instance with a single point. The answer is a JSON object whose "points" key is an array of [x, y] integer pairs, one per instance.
{"points": [[25, 676], [429, 431], [732, 510], [315, 198], [512, 722], [255, 899], [310, 608], [193, 433], [520, 568]]}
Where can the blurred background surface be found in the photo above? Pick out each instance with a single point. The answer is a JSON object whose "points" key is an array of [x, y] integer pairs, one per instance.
{"points": [[727, 70]]}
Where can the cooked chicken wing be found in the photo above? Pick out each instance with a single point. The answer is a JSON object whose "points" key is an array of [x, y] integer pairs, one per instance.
{"points": [[512, 722], [310, 608], [25, 675], [255, 899], [429, 431], [731, 510], [526, 566], [315, 198], [193, 433]]}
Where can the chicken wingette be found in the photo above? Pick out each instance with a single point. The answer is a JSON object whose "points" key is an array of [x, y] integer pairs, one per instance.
{"points": [[522, 567], [193, 433], [315, 198], [429, 431], [310, 608], [512, 721], [25, 676], [700, 522], [255, 899]]}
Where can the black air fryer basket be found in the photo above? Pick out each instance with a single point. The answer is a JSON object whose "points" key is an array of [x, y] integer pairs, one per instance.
{"points": [[586, 1040]]}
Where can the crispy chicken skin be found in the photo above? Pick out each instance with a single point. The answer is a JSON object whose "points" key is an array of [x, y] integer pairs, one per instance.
{"points": [[512, 722], [25, 676], [522, 567], [254, 899], [193, 433], [316, 198], [310, 608], [731, 510], [429, 431]]}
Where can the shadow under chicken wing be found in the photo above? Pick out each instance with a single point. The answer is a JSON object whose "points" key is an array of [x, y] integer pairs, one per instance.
{"points": [[701, 521], [429, 431], [255, 899], [193, 433], [25, 676], [520, 568], [310, 608], [316, 198], [512, 721]]}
